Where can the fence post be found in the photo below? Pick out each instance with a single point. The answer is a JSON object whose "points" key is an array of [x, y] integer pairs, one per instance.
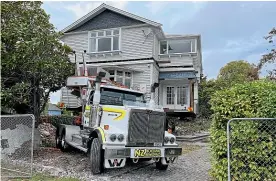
{"points": [[228, 150]]}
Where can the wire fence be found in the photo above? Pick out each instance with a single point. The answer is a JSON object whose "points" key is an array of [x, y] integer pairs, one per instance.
{"points": [[251, 146], [17, 137]]}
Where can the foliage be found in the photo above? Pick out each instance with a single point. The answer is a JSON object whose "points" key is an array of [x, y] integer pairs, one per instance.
{"points": [[232, 73], [237, 72], [205, 90], [190, 127], [34, 62], [270, 57], [251, 99], [57, 120]]}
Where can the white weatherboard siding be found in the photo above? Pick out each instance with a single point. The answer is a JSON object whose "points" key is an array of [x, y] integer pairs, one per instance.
{"points": [[176, 61], [134, 45], [142, 77]]}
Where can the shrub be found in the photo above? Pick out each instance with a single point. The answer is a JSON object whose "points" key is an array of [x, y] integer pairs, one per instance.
{"points": [[248, 100], [57, 120]]}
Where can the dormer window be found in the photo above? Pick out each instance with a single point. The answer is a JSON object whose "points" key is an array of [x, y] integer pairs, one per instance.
{"points": [[177, 46], [104, 41]]}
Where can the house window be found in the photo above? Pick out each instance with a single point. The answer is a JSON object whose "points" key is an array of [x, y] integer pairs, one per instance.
{"points": [[120, 76], [177, 46], [104, 41]]}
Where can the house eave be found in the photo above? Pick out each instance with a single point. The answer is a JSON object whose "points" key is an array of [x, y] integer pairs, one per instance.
{"points": [[100, 9]]}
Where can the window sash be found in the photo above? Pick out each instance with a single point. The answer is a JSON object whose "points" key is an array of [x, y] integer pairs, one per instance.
{"points": [[192, 41], [97, 38], [126, 75]]}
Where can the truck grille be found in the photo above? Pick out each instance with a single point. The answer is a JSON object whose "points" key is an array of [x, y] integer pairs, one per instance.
{"points": [[146, 128]]}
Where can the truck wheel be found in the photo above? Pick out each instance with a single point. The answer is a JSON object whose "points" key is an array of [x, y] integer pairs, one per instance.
{"points": [[161, 166], [58, 141], [63, 145], [96, 157]]}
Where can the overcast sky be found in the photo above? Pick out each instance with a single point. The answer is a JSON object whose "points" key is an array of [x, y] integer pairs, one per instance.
{"points": [[230, 30]]}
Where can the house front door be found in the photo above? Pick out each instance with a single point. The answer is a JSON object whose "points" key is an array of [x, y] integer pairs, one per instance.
{"points": [[176, 97]]}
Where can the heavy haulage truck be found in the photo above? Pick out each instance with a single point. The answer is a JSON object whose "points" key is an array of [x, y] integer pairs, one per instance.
{"points": [[117, 124]]}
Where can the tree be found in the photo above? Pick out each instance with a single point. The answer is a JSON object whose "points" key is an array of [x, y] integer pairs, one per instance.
{"points": [[233, 73], [34, 62], [206, 89], [237, 72], [270, 57]]}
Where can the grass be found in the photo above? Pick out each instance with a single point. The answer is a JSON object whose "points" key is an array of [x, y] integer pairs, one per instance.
{"points": [[43, 177], [189, 148]]}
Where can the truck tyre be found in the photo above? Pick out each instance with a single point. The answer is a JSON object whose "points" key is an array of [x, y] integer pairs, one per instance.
{"points": [[58, 141], [96, 157], [63, 145], [161, 166]]}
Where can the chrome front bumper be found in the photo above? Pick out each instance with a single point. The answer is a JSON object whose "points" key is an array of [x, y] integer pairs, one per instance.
{"points": [[131, 152]]}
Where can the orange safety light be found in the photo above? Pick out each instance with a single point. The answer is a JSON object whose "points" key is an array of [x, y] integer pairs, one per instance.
{"points": [[106, 127], [61, 105], [190, 109]]}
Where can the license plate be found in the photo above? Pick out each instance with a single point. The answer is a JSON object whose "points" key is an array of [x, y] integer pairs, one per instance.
{"points": [[147, 153]]}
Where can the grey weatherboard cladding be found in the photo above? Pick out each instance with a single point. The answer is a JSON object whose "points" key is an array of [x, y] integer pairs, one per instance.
{"points": [[105, 20]]}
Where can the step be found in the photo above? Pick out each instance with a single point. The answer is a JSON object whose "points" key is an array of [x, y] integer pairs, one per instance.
{"points": [[78, 146]]}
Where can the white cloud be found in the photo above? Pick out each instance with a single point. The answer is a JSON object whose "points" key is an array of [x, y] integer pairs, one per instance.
{"points": [[80, 9], [55, 97], [189, 11], [155, 6]]}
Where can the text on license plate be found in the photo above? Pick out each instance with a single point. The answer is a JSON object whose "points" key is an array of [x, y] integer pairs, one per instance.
{"points": [[147, 153]]}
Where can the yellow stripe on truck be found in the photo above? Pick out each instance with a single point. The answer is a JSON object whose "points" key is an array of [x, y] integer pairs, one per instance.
{"points": [[87, 107], [122, 112], [102, 133]]}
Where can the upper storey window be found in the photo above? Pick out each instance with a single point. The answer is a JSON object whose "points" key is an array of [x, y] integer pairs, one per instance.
{"points": [[104, 41], [177, 46]]}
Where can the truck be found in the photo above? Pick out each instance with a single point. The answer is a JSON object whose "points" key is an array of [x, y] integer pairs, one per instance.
{"points": [[117, 125]]}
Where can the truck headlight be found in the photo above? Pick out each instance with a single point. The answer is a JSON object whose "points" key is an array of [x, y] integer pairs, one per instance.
{"points": [[166, 139], [120, 137], [112, 137], [172, 140]]}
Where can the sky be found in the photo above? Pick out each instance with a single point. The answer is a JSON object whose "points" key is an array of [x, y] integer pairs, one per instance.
{"points": [[229, 30]]}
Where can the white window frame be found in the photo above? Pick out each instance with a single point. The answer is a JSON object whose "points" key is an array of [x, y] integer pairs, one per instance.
{"points": [[124, 77], [167, 48], [105, 36]]}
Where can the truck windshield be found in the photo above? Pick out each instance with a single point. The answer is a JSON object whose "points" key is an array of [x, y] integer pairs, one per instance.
{"points": [[118, 97]]}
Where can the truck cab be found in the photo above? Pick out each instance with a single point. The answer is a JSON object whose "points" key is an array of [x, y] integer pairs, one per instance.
{"points": [[117, 124]]}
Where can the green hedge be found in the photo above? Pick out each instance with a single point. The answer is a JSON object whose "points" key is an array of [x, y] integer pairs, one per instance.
{"points": [[57, 120], [248, 100]]}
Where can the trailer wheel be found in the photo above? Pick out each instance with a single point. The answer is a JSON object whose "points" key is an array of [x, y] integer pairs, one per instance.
{"points": [[161, 166], [96, 157], [63, 145]]}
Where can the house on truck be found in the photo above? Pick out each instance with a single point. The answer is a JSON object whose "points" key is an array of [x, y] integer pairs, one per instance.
{"points": [[136, 52]]}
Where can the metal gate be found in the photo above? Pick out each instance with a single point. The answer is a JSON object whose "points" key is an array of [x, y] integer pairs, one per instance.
{"points": [[251, 144], [17, 139]]}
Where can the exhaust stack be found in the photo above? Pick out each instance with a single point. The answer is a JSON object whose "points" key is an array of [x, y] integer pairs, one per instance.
{"points": [[97, 94]]}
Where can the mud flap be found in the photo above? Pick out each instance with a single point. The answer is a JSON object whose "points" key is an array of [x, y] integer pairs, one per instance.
{"points": [[169, 160], [114, 162]]}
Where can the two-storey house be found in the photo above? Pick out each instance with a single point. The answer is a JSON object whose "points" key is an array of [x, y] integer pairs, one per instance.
{"points": [[137, 53]]}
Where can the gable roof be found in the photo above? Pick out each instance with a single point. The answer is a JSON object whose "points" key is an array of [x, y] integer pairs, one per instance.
{"points": [[102, 8]]}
